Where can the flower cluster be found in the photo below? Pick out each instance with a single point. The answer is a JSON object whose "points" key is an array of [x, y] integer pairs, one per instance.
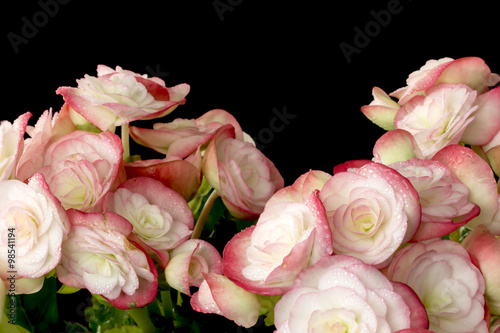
{"points": [[406, 240]]}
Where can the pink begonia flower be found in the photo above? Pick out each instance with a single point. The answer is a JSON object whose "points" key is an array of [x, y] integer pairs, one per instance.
{"points": [[449, 285], [444, 199], [468, 71], [40, 226], [289, 237], [98, 256], [371, 212], [48, 128], [81, 168], [160, 216], [471, 71], [182, 175], [342, 294], [241, 175], [117, 97], [302, 188], [189, 261], [218, 294], [11, 145], [439, 118], [477, 175], [485, 248], [182, 137], [382, 110], [396, 146], [422, 79], [486, 122]]}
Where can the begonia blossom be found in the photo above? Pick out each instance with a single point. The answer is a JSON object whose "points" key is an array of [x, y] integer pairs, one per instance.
{"points": [[477, 175], [443, 198], [449, 285], [48, 128], [117, 96], [160, 216], [439, 118], [38, 226], [371, 212], [182, 137], [11, 145], [189, 261], [342, 294], [99, 257], [485, 247], [81, 167], [240, 174], [289, 236]]}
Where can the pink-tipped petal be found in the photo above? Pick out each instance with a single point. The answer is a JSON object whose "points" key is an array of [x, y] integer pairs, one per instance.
{"points": [[485, 248], [486, 123], [440, 229], [221, 296], [146, 292], [382, 110], [180, 175], [235, 303], [302, 188], [471, 71], [210, 164], [223, 117], [418, 314], [396, 146], [404, 188], [477, 175]]}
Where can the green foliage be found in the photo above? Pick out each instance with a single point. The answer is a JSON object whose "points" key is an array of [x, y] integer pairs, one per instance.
{"points": [[38, 312], [67, 290], [458, 235], [102, 316]]}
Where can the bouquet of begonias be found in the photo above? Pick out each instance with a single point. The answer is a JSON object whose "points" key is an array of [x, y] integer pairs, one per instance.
{"points": [[406, 240]]}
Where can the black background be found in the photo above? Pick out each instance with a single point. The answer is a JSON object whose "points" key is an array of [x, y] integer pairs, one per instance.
{"points": [[247, 57]]}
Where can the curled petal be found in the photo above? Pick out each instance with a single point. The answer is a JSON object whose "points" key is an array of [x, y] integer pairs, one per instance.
{"points": [[189, 262], [476, 174], [220, 295], [486, 122], [12, 145], [471, 71], [180, 175], [418, 314], [395, 146], [422, 79], [485, 247], [223, 117], [302, 188], [382, 110]]}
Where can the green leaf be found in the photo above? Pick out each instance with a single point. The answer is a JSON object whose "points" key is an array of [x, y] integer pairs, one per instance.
{"points": [[5, 327], [201, 196], [125, 329], [267, 304], [102, 316], [41, 307], [65, 289], [88, 127]]}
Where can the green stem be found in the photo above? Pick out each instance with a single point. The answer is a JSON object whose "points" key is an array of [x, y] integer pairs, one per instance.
{"points": [[141, 318], [204, 214], [125, 141]]}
